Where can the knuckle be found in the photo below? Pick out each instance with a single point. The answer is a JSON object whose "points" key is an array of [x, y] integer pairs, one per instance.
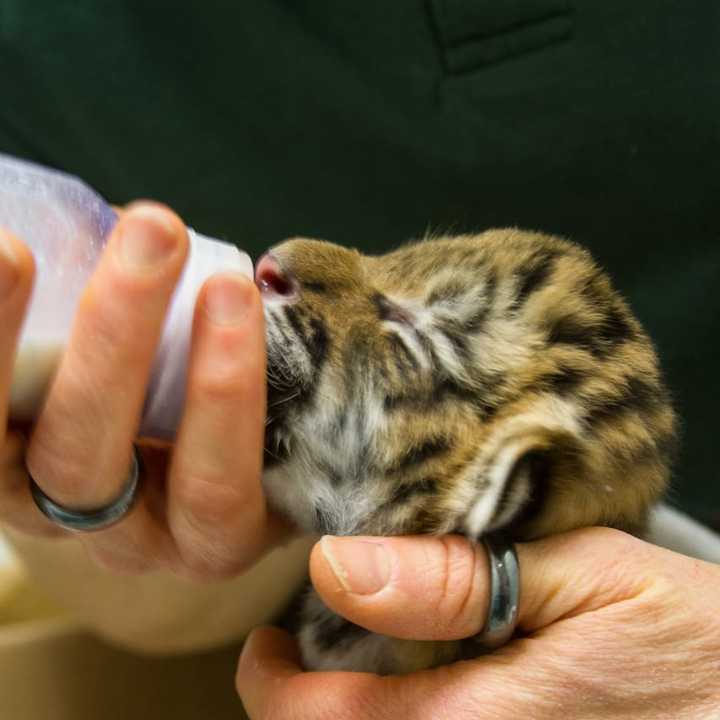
{"points": [[456, 605], [619, 543], [92, 374], [221, 386], [112, 329], [206, 558], [107, 332], [211, 501], [616, 564], [210, 517]]}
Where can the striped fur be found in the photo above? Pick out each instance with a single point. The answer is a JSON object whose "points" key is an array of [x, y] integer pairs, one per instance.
{"points": [[471, 384]]}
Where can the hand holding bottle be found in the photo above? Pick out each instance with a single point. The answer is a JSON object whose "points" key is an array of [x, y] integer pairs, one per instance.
{"points": [[201, 511]]}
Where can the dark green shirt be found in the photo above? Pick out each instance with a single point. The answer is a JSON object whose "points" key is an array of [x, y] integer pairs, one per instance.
{"points": [[369, 123]]}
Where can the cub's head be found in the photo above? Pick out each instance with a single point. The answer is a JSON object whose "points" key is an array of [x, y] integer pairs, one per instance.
{"points": [[467, 384]]}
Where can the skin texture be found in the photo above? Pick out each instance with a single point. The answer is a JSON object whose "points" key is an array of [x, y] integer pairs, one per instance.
{"points": [[611, 627], [201, 513]]}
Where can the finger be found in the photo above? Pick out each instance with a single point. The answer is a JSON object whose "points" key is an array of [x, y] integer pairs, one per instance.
{"points": [[17, 269], [271, 683], [517, 682], [269, 659], [80, 449], [16, 505], [216, 508], [268, 652], [16, 280], [436, 588]]}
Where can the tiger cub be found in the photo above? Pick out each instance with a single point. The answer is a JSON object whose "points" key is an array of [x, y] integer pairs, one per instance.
{"points": [[472, 384]]}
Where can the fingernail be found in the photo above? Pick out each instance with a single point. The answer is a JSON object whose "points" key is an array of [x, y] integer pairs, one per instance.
{"points": [[147, 238], [227, 298], [9, 272], [360, 567]]}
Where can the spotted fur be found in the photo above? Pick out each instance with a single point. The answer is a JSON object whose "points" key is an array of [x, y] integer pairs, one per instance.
{"points": [[472, 384]]}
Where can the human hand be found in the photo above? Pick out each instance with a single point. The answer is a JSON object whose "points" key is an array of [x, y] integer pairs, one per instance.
{"points": [[612, 627], [201, 512]]}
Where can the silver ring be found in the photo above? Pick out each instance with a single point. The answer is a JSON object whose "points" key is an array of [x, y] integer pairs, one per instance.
{"points": [[504, 601], [97, 518]]}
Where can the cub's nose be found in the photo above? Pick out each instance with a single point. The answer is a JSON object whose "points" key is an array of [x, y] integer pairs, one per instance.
{"points": [[274, 282]]}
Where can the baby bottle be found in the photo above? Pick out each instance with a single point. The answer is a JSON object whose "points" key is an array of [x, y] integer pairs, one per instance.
{"points": [[66, 224]]}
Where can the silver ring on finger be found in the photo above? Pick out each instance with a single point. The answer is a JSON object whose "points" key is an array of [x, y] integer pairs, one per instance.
{"points": [[95, 518], [504, 600]]}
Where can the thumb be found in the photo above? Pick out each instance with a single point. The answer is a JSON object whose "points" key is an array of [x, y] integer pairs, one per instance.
{"points": [[436, 588]]}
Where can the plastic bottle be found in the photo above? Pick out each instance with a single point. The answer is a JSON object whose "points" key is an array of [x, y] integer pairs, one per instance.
{"points": [[66, 224]]}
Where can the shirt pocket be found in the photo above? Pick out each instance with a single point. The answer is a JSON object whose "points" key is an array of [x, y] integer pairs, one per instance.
{"points": [[477, 33]]}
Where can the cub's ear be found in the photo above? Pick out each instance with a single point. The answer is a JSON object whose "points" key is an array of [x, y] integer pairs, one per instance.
{"points": [[516, 471]]}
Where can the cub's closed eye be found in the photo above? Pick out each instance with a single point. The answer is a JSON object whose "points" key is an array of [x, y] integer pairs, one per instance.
{"points": [[388, 310], [317, 287]]}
